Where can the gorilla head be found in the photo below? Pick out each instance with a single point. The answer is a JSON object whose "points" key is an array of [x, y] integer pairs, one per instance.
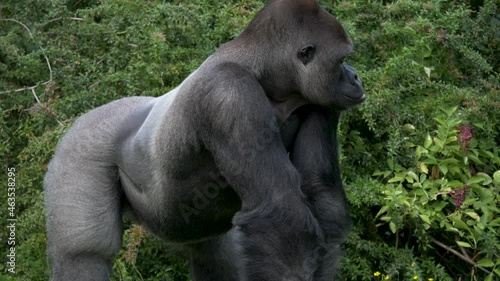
{"points": [[302, 48]]}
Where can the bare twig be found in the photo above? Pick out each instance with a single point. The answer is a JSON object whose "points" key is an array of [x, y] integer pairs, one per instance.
{"points": [[467, 259], [25, 88], [61, 18], [34, 94], [20, 23], [464, 252], [43, 53]]}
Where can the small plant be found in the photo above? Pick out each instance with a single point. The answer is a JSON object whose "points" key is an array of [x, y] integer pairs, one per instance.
{"points": [[449, 197]]}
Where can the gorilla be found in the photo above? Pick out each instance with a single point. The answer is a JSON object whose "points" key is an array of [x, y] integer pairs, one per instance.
{"points": [[238, 164]]}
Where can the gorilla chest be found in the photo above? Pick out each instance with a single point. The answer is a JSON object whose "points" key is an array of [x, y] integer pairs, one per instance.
{"points": [[289, 129], [288, 119]]}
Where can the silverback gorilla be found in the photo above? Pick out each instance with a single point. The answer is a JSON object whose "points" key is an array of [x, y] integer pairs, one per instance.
{"points": [[238, 164]]}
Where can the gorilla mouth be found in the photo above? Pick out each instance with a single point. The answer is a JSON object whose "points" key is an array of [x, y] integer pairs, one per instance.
{"points": [[356, 99]]}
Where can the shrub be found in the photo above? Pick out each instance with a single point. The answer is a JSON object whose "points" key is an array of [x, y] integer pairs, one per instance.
{"points": [[449, 199]]}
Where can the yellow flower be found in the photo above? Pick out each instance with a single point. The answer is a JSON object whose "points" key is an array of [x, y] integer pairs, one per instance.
{"points": [[430, 279], [387, 277], [415, 277], [376, 273]]}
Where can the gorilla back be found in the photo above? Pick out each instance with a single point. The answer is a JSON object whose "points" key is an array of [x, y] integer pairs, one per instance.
{"points": [[238, 164]]}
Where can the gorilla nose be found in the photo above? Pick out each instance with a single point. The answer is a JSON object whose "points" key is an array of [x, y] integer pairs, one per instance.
{"points": [[355, 79], [351, 74]]}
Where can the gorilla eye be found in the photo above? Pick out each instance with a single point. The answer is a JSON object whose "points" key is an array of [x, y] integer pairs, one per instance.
{"points": [[306, 54]]}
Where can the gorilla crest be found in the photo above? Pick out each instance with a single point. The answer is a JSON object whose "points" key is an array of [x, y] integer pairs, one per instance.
{"points": [[238, 164]]}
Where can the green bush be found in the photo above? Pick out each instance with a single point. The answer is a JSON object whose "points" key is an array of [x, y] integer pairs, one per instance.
{"points": [[450, 198]]}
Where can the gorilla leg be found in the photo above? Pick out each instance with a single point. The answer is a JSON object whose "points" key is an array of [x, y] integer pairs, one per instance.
{"points": [[215, 260], [83, 219]]}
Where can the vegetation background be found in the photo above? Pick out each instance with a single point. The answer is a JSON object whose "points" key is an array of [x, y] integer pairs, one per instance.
{"points": [[420, 157]]}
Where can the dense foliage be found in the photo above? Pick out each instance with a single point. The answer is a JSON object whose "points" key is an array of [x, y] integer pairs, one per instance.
{"points": [[420, 158]]}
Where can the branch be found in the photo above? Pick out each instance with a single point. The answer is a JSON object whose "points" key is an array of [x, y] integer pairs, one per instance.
{"points": [[34, 94], [61, 18], [43, 53], [467, 259], [20, 23], [25, 88]]}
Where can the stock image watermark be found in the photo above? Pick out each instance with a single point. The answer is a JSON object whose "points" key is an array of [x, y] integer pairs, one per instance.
{"points": [[11, 219]]}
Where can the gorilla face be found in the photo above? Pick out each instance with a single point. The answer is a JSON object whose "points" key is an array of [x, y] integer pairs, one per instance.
{"points": [[325, 78]]}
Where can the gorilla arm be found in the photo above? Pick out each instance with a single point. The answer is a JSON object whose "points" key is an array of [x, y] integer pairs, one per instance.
{"points": [[274, 220], [315, 156]]}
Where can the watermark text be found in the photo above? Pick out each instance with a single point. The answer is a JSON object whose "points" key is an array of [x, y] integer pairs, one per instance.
{"points": [[11, 219]]}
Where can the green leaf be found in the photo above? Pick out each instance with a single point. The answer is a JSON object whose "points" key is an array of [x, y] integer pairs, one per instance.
{"points": [[485, 263], [449, 112], [423, 177], [390, 163], [452, 124], [464, 244], [438, 206], [475, 179], [497, 271], [435, 148], [413, 175], [438, 142], [424, 169], [455, 169], [473, 215], [449, 161], [458, 223], [486, 177], [431, 159], [428, 141], [420, 150], [474, 159], [397, 178], [451, 139], [496, 176], [455, 184], [444, 169], [392, 226], [382, 210], [428, 70], [425, 218], [440, 120], [385, 218]]}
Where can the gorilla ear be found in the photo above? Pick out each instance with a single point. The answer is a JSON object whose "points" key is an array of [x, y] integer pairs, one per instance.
{"points": [[306, 54]]}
